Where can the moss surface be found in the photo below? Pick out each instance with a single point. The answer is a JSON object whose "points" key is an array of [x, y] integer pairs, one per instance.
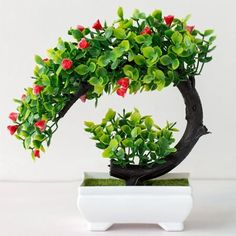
{"points": [[119, 182]]}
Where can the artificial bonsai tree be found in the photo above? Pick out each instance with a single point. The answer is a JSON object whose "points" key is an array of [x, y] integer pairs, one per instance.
{"points": [[140, 53]]}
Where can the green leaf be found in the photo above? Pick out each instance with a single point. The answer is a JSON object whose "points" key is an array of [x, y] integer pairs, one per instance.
{"points": [[120, 153], [166, 60], [45, 80], [127, 142], [119, 33], [148, 122], [115, 64], [125, 45], [89, 124], [135, 132], [212, 38], [108, 32], [39, 137], [27, 142], [187, 41], [107, 153], [113, 144], [148, 52], [175, 64], [160, 84], [92, 67], [147, 79], [82, 69], [157, 14], [110, 128], [177, 49], [103, 61], [98, 89], [120, 12], [101, 145], [118, 52], [38, 60], [158, 51], [48, 106], [138, 142], [208, 32], [126, 129], [159, 75], [77, 34], [104, 139], [110, 114], [128, 70], [177, 37], [60, 44], [37, 144], [138, 15], [94, 81], [139, 39], [139, 60], [135, 117]]}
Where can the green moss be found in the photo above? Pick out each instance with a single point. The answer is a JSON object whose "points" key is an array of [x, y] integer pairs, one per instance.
{"points": [[119, 182], [167, 182]]}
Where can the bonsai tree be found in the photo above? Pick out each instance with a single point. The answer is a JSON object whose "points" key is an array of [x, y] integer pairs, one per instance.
{"points": [[140, 53]]}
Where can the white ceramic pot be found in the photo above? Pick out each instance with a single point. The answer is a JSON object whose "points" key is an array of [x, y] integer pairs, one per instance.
{"points": [[104, 206]]}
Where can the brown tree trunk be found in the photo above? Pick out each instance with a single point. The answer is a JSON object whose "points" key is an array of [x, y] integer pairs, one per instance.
{"points": [[135, 175]]}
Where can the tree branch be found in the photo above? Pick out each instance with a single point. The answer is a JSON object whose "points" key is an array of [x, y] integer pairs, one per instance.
{"points": [[84, 88], [135, 174]]}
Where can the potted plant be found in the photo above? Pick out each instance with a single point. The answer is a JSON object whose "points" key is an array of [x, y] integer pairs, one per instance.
{"points": [[140, 53]]}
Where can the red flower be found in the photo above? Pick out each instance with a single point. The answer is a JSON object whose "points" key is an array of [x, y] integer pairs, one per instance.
{"points": [[168, 19], [12, 128], [190, 28], [146, 30], [37, 153], [83, 98], [66, 64], [80, 27], [83, 43], [97, 25], [123, 82], [37, 89], [45, 59], [121, 91], [41, 124], [13, 116]]}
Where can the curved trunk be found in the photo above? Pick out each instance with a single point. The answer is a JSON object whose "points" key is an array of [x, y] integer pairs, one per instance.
{"points": [[135, 175]]}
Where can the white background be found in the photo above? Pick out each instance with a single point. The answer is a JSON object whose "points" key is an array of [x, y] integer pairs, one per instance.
{"points": [[30, 27]]}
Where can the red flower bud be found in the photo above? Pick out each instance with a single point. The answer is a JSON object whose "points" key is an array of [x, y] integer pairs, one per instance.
{"points": [[80, 27], [168, 19], [66, 64], [146, 30], [97, 25], [121, 91], [83, 98], [41, 124], [45, 59], [190, 28], [13, 116], [124, 82], [23, 97], [37, 89], [83, 43], [12, 128], [37, 153]]}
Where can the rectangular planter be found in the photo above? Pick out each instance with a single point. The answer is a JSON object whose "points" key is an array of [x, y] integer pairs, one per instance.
{"points": [[103, 206]]}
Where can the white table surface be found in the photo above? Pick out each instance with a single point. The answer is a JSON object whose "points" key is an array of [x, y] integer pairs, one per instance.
{"points": [[49, 209]]}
